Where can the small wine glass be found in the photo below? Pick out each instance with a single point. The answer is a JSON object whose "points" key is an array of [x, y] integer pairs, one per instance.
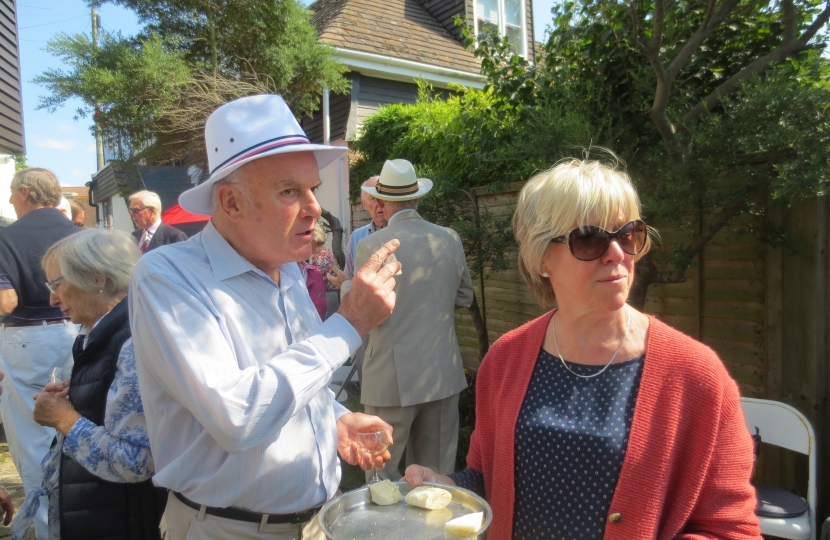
{"points": [[61, 374], [370, 445]]}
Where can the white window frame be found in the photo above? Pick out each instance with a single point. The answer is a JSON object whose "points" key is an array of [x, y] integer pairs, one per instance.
{"points": [[503, 22]]}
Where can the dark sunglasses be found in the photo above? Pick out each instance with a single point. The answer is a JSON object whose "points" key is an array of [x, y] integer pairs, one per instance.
{"points": [[135, 211], [589, 243]]}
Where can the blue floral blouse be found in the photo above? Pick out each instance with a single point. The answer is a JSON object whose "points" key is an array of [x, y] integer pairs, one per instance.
{"points": [[118, 451]]}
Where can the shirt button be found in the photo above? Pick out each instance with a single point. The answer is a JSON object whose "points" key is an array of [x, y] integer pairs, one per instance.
{"points": [[616, 517]]}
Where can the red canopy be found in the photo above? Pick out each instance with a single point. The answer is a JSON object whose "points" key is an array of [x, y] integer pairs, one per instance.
{"points": [[176, 215]]}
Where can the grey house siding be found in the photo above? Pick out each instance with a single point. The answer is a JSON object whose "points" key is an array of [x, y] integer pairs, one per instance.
{"points": [[11, 110], [445, 10], [339, 116], [375, 93]]}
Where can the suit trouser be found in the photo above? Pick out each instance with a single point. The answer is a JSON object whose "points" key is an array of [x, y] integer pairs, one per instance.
{"points": [[180, 522], [427, 431], [27, 356]]}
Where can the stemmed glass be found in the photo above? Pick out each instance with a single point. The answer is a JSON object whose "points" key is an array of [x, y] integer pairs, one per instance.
{"points": [[60, 374], [371, 445]]}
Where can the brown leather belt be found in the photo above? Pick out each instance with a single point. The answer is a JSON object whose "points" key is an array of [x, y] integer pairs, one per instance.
{"points": [[238, 514], [15, 324]]}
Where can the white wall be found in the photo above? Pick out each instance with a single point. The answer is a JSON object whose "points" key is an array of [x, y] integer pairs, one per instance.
{"points": [[121, 215], [6, 175], [333, 195]]}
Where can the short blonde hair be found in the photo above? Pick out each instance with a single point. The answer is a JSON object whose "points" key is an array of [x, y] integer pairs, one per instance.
{"points": [[95, 254], [148, 198], [319, 234], [573, 193]]}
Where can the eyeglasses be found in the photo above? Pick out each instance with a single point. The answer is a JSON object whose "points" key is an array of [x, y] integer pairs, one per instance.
{"points": [[52, 285], [135, 211], [589, 243]]}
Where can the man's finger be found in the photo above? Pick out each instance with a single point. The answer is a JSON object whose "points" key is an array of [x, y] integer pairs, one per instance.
{"points": [[389, 270], [379, 256]]}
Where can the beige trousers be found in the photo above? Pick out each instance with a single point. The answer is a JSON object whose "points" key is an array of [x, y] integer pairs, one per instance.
{"points": [[180, 522], [428, 432]]}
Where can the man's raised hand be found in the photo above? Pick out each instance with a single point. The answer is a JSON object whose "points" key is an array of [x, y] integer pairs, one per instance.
{"points": [[372, 296]]}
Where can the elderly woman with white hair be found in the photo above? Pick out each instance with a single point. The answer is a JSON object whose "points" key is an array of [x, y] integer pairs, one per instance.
{"points": [[97, 473], [596, 421]]}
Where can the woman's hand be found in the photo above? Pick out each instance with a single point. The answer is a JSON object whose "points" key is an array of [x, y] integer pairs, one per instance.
{"points": [[6, 506], [52, 409], [339, 276], [416, 475]]}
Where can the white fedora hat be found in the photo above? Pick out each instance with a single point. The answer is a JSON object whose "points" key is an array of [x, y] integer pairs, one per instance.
{"points": [[398, 182], [246, 129]]}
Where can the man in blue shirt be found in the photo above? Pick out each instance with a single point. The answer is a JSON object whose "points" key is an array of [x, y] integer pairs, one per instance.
{"points": [[234, 364], [379, 221]]}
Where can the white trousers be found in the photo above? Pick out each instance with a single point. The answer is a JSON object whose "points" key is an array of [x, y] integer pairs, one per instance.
{"points": [[27, 356], [180, 522]]}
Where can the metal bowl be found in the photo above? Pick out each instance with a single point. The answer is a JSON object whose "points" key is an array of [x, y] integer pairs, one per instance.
{"points": [[353, 516]]}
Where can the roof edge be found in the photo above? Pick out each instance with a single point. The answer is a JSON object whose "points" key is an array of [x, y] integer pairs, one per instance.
{"points": [[406, 70]]}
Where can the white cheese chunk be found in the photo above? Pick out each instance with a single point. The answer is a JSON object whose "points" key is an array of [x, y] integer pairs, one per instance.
{"points": [[385, 492], [463, 526], [431, 498]]}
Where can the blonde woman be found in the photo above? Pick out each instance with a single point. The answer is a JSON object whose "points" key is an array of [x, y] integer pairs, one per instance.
{"points": [[596, 421]]}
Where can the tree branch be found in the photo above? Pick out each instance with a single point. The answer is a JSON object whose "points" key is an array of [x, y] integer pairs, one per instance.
{"points": [[717, 223], [659, 26], [788, 19], [782, 52], [710, 21]]}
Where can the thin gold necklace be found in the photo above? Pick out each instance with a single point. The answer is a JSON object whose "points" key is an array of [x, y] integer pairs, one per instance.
{"points": [[600, 372]]}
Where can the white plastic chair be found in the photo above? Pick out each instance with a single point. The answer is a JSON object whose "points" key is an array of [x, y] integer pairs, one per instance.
{"points": [[782, 425]]}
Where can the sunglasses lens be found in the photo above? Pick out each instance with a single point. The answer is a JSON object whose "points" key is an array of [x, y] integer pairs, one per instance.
{"points": [[589, 243], [632, 237]]}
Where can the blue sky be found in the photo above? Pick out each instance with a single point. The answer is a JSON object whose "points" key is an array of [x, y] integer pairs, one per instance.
{"points": [[56, 140]]}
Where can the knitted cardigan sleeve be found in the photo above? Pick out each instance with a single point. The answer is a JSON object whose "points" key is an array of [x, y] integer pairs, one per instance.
{"points": [[725, 508]]}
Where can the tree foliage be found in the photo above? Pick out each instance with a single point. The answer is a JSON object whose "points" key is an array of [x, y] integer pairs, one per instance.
{"points": [[719, 108], [271, 39], [151, 94], [124, 83]]}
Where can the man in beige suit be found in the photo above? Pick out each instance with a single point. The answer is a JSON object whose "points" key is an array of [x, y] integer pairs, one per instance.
{"points": [[412, 372]]}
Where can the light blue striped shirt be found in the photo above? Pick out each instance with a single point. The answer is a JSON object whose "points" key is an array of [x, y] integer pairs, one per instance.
{"points": [[351, 251], [233, 372]]}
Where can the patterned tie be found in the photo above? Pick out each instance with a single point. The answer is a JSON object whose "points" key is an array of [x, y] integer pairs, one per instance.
{"points": [[146, 243]]}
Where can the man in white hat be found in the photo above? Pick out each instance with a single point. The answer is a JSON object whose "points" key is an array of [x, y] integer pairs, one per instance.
{"points": [[412, 372], [233, 361]]}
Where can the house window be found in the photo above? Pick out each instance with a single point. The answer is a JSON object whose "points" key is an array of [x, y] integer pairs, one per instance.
{"points": [[504, 17]]}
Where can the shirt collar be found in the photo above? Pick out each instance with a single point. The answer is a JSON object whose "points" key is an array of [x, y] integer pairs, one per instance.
{"points": [[228, 263], [154, 227]]}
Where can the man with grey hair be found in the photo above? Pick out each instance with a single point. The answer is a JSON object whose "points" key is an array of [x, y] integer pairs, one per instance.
{"points": [[379, 221], [34, 337], [413, 373], [150, 233]]}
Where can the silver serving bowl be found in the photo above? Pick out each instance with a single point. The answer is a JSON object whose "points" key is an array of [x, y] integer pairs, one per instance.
{"points": [[353, 516]]}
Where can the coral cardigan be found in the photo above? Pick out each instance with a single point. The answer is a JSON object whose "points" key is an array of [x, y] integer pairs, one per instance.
{"points": [[686, 470]]}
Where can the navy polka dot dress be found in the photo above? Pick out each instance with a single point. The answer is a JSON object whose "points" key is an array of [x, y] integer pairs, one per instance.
{"points": [[571, 438]]}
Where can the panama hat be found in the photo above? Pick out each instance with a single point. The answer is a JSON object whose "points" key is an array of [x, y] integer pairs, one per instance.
{"points": [[398, 182], [246, 129]]}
